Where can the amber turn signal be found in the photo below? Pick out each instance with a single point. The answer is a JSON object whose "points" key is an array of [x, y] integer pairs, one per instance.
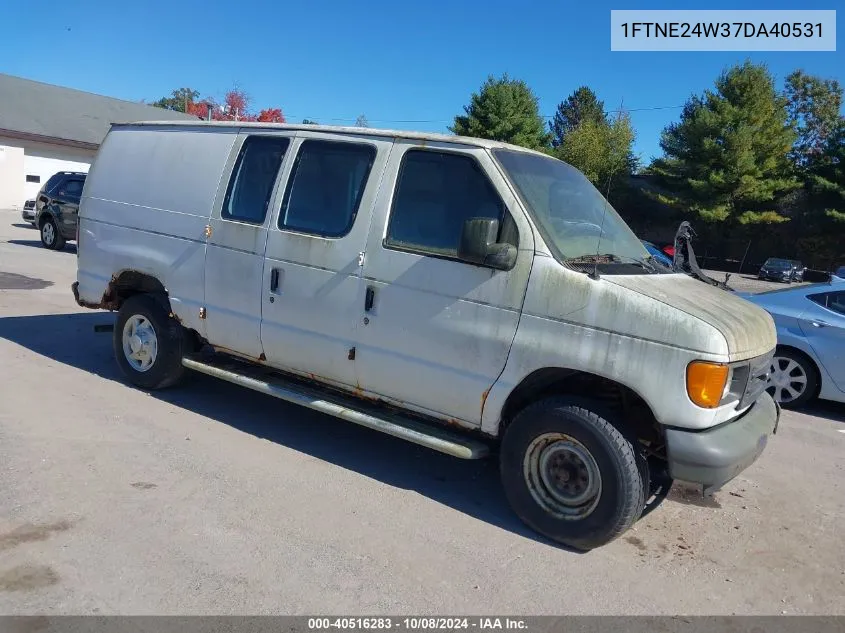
{"points": [[706, 383]]}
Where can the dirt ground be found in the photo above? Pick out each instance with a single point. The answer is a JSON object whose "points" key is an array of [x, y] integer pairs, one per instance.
{"points": [[748, 283]]}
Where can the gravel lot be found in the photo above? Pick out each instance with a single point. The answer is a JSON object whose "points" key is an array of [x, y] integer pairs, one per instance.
{"points": [[748, 283], [208, 498]]}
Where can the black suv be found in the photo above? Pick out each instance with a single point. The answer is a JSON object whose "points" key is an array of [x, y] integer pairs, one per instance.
{"points": [[57, 208]]}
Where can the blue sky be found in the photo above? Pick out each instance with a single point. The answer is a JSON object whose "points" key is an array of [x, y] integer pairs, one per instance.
{"points": [[409, 65]]}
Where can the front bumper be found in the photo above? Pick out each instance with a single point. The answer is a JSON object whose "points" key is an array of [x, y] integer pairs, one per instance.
{"points": [[774, 276], [715, 456], [28, 215]]}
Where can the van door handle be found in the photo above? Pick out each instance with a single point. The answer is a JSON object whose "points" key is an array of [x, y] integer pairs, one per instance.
{"points": [[274, 280], [818, 323], [368, 301]]}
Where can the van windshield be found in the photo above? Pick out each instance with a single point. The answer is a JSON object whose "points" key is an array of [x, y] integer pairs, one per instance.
{"points": [[576, 221]]}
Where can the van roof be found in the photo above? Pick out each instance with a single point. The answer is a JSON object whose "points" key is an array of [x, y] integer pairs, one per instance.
{"points": [[336, 129]]}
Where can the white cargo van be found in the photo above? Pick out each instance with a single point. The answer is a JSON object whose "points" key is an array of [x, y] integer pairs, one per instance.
{"points": [[463, 294]]}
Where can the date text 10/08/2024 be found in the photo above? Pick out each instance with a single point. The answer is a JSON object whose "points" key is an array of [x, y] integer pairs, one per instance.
{"points": [[417, 623], [720, 29]]}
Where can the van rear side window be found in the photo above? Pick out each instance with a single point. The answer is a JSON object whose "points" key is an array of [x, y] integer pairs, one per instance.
{"points": [[253, 177], [325, 187]]}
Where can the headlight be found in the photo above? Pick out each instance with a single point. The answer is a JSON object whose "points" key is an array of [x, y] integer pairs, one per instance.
{"points": [[706, 383], [710, 385]]}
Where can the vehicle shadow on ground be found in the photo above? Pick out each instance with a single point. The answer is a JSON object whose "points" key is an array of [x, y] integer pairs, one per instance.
{"points": [[471, 487], [23, 225], [827, 410], [68, 248]]}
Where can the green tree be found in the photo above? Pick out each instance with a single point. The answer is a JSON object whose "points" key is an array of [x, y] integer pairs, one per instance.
{"points": [[814, 105], [309, 122], [581, 105], [503, 110], [361, 121], [602, 150], [728, 157], [179, 100], [826, 180]]}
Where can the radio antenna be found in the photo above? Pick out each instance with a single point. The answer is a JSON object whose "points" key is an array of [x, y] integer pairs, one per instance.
{"points": [[595, 273]]}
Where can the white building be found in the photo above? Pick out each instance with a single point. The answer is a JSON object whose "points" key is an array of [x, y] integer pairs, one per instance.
{"points": [[45, 129]]}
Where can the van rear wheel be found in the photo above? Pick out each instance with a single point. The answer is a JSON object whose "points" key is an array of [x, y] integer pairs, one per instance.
{"points": [[570, 474], [149, 343]]}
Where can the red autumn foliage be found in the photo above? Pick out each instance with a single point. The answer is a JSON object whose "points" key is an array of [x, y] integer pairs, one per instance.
{"points": [[235, 107], [198, 109], [271, 115]]}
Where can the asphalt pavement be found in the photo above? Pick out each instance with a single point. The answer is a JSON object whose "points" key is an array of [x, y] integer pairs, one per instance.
{"points": [[211, 499]]}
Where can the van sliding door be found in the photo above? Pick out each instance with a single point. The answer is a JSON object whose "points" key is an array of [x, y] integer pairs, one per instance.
{"points": [[234, 262], [312, 292]]}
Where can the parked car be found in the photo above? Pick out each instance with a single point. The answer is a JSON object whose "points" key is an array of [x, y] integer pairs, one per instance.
{"points": [[810, 357], [444, 290], [778, 269], [659, 255], [57, 208], [28, 213], [798, 270]]}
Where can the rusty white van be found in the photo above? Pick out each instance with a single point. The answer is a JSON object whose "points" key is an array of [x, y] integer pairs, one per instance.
{"points": [[467, 295]]}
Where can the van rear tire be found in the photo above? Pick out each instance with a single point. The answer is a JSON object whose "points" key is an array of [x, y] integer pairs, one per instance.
{"points": [[149, 343], [570, 474]]}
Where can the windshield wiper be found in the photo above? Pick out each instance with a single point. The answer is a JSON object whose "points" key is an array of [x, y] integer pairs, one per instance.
{"points": [[646, 263]]}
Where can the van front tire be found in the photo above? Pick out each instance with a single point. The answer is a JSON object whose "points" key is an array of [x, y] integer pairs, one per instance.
{"points": [[149, 343], [570, 474]]}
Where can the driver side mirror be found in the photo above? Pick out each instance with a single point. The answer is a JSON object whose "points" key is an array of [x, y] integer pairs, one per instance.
{"points": [[478, 245]]}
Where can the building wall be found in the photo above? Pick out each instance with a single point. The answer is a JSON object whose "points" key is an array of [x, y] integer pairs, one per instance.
{"points": [[39, 162], [11, 177]]}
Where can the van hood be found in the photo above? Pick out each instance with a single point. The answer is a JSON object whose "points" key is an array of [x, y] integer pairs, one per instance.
{"points": [[749, 330]]}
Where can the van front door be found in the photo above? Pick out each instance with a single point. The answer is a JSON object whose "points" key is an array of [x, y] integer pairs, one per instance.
{"points": [[312, 272], [435, 332], [237, 237]]}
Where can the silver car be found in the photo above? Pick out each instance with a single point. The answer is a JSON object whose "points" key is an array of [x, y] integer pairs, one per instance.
{"points": [[28, 213], [810, 358]]}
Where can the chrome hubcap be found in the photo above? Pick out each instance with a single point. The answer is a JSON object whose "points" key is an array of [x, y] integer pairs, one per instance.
{"points": [[48, 233], [787, 379], [140, 343], [562, 476]]}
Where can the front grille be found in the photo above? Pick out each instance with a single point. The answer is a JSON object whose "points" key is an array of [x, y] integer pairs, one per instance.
{"points": [[758, 379], [29, 205]]}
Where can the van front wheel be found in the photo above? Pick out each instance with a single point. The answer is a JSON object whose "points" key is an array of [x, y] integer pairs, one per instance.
{"points": [[148, 342], [569, 473]]}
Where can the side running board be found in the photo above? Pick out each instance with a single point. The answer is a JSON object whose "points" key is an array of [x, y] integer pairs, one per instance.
{"points": [[273, 384]]}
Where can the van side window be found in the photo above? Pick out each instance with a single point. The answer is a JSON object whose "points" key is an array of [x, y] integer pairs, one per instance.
{"points": [[435, 193], [325, 187], [253, 176]]}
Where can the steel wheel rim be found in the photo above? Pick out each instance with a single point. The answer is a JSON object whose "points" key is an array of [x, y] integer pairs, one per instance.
{"points": [[140, 343], [787, 380], [562, 476], [48, 233]]}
